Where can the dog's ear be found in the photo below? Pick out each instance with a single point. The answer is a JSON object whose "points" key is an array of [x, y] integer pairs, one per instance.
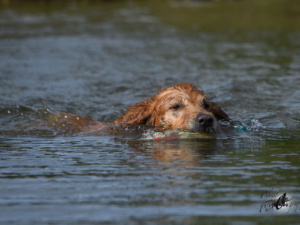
{"points": [[138, 114], [218, 112]]}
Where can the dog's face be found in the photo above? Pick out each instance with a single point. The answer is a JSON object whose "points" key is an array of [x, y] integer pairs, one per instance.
{"points": [[179, 109], [185, 107], [181, 106]]}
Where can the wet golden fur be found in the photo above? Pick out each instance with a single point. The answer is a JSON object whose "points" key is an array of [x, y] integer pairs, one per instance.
{"points": [[174, 107]]}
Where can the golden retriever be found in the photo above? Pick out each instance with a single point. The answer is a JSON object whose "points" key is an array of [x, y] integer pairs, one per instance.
{"points": [[181, 106]]}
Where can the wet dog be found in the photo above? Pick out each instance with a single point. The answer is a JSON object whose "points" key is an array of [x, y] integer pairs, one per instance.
{"points": [[181, 106]]}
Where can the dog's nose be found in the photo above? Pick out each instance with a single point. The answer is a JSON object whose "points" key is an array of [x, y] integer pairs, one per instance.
{"points": [[204, 120]]}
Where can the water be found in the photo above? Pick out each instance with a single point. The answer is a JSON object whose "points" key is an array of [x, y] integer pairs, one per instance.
{"points": [[95, 61]]}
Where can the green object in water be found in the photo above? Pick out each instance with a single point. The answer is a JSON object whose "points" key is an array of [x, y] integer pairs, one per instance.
{"points": [[241, 128]]}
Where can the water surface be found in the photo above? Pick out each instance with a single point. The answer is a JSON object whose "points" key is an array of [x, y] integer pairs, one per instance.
{"points": [[96, 60]]}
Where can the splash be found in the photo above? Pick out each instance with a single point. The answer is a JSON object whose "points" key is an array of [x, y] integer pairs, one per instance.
{"points": [[255, 125]]}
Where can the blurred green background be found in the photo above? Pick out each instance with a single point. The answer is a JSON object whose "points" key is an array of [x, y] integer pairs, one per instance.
{"points": [[206, 15]]}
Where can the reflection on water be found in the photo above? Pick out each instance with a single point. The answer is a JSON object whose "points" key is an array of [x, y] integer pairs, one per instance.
{"points": [[96, 59]]}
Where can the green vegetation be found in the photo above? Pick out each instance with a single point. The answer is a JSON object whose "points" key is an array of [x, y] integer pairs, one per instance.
{"points": [[191, 15]]}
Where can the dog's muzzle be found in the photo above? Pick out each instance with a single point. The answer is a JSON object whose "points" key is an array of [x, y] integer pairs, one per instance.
{"points": [[204, 123]]}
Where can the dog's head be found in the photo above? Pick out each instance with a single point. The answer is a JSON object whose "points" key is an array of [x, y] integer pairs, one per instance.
{"points": [[181, 106]]}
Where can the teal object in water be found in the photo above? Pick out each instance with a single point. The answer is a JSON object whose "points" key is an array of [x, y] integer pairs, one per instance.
{"points": [[241, 128]]}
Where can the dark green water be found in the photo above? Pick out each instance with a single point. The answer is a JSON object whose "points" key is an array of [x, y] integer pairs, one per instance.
{"points": [[96, 58]]}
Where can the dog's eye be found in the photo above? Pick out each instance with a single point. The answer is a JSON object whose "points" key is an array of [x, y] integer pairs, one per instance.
{"points": [[175, 107], [205, 104]]}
